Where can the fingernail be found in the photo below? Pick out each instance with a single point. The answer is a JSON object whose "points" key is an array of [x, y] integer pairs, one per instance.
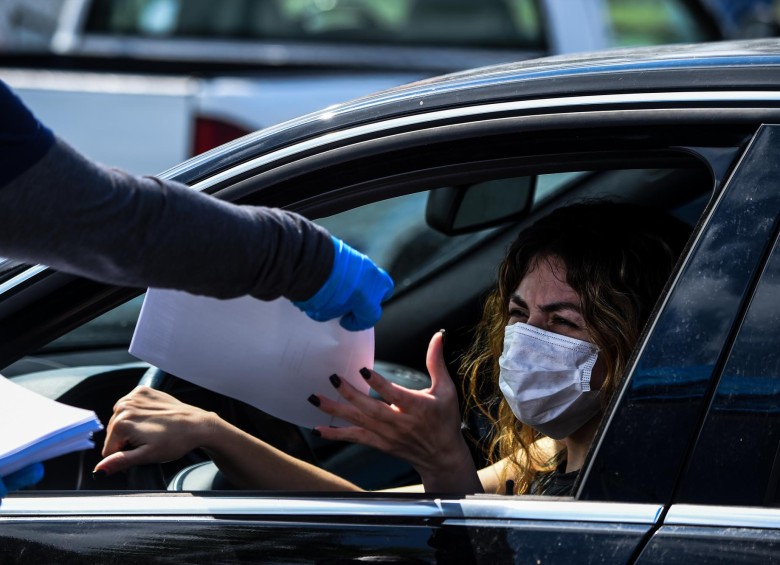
{"points": [[99, 474], [314, 399], [365, 373], [316, 433], [443, 333], [335, 381]]}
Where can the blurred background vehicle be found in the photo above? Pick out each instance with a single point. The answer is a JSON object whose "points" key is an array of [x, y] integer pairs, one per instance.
{"points": [[168, 79], [742, 19]]}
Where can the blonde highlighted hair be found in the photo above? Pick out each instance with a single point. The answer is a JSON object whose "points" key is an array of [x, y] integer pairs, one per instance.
{"points": [[618, 257]]}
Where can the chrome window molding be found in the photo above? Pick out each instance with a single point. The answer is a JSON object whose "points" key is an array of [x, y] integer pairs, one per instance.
{"points": [[480, 110], [503, 508], [724, 516], [546, 509], [21, 278]]}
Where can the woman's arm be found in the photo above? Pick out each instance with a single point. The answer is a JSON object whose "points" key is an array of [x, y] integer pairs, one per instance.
{"points": [[149, 426], [419, 426]]}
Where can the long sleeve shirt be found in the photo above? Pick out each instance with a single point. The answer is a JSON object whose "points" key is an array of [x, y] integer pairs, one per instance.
{"points": [[74, 215]]}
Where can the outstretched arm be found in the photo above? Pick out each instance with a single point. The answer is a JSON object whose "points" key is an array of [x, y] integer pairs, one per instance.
{"points": [[63, 210], [149, 426]]}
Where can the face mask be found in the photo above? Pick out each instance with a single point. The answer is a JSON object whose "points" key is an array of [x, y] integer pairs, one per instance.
{"points": [[545, 378]]}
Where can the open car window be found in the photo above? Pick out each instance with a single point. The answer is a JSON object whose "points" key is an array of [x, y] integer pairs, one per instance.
{"points": [[395, 233]]}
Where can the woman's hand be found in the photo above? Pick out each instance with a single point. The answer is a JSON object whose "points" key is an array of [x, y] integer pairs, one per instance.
{"points": [[420, 426], [149, 426]]}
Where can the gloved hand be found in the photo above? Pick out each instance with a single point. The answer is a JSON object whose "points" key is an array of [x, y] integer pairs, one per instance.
{"points": [[355, 289], [21, 478]]}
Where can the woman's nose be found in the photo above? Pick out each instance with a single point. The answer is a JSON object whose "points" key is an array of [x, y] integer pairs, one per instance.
{"points": [[537, 320]]}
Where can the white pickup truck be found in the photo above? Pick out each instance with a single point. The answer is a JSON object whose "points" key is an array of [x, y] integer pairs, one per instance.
{"points": [[144, 85]]}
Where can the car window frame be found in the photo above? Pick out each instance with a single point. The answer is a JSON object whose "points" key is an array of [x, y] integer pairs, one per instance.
{"points": [[511, 124], [607, 475]]}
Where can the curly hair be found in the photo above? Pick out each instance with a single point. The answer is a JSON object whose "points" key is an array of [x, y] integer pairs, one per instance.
{"points": [[618, 257]]}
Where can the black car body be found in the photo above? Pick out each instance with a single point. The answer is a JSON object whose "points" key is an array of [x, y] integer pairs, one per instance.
{"points": [[685, 467]]}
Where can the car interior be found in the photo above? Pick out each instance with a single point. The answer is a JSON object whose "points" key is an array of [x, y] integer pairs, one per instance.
{"points": [[440, 231]]}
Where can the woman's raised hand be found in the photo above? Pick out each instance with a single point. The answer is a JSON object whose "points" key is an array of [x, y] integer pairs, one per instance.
{"points": [[149, 426], [420, 426]]}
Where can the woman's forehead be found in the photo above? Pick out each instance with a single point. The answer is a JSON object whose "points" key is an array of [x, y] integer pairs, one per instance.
{"points": [[545, 281]]}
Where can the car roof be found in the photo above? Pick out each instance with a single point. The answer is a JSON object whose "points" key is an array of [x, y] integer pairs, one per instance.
{"points": [[750, 64]]}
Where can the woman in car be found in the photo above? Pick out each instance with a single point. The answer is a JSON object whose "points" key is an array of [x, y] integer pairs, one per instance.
{"points": [[572, 296]]}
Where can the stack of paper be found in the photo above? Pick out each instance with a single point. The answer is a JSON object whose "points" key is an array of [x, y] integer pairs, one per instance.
{"points": [[35, 428], [268, 354]]}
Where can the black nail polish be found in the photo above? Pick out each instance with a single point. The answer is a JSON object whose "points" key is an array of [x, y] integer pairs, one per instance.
{"points": [[99, 474], [316, 433], [443, 333], [314, 399], [335, 381], [365, 373]]}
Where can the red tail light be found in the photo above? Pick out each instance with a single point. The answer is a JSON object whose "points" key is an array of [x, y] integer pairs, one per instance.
{"points": [[213, 132]]}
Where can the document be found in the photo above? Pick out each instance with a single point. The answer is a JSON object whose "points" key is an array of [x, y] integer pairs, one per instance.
{"points": [[36, 428], [267, 354]]}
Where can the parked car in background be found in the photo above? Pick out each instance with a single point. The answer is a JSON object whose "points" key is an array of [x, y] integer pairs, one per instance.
{"points": [[167, 79], [684, 467]]}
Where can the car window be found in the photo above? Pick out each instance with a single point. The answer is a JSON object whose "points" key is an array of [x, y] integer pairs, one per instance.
{"points": [[395, 223], [736, 458], [459, 23], [638, 22]]}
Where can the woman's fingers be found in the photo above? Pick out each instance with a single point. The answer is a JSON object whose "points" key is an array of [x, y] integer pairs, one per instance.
{"points": [[441, 382], [121, 460], [360, 409], [389, 391], [151, 426]]}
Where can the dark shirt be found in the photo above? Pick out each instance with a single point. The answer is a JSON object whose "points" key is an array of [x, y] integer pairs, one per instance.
{"points": [[74, 215], [554, 483]]}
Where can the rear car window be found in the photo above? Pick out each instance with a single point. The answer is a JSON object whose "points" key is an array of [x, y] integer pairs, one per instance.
{"points": [[639, 22], [457, 23]]}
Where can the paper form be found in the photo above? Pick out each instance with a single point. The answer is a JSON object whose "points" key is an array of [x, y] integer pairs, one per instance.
{"points": [[267, 354]]}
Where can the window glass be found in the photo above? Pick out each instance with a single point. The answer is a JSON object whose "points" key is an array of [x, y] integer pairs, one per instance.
{"points": [[458, 23], [737, 460], [395, 235], [639, 22]]}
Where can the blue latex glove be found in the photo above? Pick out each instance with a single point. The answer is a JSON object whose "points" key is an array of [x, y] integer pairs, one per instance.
{"points": [[354, 291], [22, 478]]}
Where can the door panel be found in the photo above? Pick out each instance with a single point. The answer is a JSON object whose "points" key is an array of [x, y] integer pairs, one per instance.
{"points": [[666, 393]]}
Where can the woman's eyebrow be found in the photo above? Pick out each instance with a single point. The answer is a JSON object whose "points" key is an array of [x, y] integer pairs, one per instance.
{"points": [[547, 308], [515, 299], [558, 306]]}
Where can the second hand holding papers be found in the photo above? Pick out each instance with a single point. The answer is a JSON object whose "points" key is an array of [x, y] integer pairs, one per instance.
{"points": [[267, 354]]}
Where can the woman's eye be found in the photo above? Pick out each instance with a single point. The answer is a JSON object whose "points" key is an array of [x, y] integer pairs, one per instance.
{"points": [[517, 315], [565, 322]]}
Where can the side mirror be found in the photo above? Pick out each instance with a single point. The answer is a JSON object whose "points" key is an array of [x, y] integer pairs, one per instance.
{"points": [[454, 210]]}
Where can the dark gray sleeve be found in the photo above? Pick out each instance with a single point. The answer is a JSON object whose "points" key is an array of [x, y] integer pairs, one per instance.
{"points": [[76, 216]]}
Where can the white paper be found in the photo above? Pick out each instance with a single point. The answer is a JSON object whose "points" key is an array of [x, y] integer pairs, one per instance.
{"points": [[267, 354], [36, 428]]}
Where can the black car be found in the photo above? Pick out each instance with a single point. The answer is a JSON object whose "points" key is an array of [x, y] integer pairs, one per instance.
{"points": [[685, 467]]}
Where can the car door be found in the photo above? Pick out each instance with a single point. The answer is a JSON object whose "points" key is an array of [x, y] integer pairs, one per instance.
{"points": [[724, 507], [703, 395], [290, 527]]}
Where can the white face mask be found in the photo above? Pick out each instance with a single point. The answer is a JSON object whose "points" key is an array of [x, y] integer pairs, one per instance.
{"points": [[545, 378]]}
